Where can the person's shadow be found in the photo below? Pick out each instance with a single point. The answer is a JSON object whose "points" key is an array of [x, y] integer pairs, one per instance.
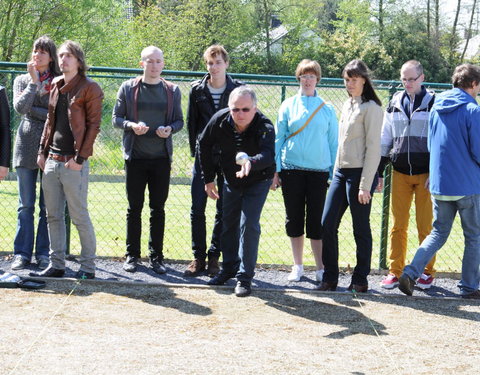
{"points": [[436, 306], [152, 294], [350, 320]]}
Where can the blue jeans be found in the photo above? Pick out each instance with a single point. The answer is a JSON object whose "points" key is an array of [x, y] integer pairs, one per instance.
{"points": [[62, 185], [197, 215], [241, 228], [444, 213], [25, 234], [343, 193]]}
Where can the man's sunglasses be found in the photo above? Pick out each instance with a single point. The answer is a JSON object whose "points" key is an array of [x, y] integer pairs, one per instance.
{"points": [[236, 110]]}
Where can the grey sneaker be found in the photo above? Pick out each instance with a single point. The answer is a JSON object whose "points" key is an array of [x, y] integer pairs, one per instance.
{"points": [[130, 264], [243, 289], [19, 263], [158, 266], [42, 263]]}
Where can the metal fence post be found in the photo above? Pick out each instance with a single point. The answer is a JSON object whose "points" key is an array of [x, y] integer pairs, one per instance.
{"points": [[385, 207], [385, 216]]}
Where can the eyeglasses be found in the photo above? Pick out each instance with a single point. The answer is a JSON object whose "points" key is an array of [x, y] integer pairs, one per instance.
{"points": [[308, 76], [236, 110], [410, 80]]}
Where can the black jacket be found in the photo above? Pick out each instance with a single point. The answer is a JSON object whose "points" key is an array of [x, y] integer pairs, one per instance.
{"points": [[258, 143], [4, 129], [201, 107]]}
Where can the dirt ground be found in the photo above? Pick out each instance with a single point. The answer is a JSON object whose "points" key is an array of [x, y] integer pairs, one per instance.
{"points": [[103, 328]]}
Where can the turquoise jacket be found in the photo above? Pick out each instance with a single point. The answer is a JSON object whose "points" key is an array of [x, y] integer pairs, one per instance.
{"points": [[315, 147]]}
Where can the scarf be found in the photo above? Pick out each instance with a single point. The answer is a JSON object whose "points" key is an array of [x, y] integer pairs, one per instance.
{"points": [[45, 82]]}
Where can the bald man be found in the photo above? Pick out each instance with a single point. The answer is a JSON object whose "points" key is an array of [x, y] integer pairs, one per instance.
{"points": [[148, 109]]}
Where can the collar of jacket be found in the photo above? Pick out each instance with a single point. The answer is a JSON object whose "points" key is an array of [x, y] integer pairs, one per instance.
{"points": [[67, 87], [202, 83], [398, 96]]}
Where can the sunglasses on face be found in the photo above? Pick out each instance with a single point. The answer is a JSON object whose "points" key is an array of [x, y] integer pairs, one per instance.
{"points": [[236, 110]]}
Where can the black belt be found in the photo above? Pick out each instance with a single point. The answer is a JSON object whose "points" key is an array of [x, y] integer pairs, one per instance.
{"points": [[58, 157]]}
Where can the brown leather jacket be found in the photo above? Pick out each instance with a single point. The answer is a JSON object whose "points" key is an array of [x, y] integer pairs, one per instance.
{"points": [[84, 112]]}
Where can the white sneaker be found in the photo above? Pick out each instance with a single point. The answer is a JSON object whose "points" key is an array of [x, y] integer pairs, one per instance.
{"points": [[297, 273], [319, 275]]}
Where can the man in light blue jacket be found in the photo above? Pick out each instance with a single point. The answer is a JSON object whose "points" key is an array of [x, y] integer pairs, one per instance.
{"points": [[454, 144]]}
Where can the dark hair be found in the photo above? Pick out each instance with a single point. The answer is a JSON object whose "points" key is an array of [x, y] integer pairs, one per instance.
{"points": [[75, 49], [46, 44], [357, 68], [465, 76]]}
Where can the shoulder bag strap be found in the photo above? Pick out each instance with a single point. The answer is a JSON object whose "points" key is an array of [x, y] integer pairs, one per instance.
{"points": [[308, 121]]}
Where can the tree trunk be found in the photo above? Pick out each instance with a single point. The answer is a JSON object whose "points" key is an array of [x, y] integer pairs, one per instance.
{"points": [[469, 31], [380, 20], [453, 35], [428, 20]]}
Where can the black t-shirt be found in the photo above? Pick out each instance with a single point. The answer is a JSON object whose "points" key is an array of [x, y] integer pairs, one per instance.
{"points": [[63, 141]]}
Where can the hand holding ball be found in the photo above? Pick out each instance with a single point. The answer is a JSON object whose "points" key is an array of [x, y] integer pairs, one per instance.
{"points": [[241, 158]]}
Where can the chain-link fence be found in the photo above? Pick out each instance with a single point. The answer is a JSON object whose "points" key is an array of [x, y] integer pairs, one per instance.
{"points": [[107, 199]]}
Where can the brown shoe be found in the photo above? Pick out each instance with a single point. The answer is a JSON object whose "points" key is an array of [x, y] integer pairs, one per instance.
{"points": [[195, 267], [213, 268], [325, 286], [358, 288]]}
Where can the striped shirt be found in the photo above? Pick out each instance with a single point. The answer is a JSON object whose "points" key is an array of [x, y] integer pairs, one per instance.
{"points": [[216, 94]]}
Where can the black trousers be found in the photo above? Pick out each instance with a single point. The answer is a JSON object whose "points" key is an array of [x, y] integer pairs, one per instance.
{"points": [[304, 197], [343, 193], [140, 173]]}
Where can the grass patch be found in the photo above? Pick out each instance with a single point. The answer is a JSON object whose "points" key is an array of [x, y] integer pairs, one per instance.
{"points": [[108, 206]]}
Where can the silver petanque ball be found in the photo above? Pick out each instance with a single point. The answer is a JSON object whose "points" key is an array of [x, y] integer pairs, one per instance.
{"points": [[241, 158]]}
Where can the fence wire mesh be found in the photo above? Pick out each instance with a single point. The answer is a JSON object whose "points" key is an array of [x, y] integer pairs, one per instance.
{"points": [[107, 198]]}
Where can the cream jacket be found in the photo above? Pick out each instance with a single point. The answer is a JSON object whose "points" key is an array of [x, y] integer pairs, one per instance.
{"points": [[359, 138]]}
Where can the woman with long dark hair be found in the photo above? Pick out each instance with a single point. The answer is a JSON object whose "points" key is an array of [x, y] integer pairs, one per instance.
{"points": [[355, 176], [30, 100]]}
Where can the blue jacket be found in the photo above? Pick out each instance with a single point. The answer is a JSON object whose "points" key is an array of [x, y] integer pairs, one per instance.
{"points": [[315, 147], [454, 144]]}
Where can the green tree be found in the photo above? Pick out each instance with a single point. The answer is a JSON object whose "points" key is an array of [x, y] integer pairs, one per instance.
{"points": [[186, 30], [92, 23], [407, 37]]}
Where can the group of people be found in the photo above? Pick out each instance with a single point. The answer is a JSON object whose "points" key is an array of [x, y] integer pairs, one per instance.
{"points": [[61, 113], [323, 166]]}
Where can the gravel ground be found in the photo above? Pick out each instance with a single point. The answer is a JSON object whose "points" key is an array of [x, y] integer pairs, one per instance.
{"points": [[110, 269]]}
